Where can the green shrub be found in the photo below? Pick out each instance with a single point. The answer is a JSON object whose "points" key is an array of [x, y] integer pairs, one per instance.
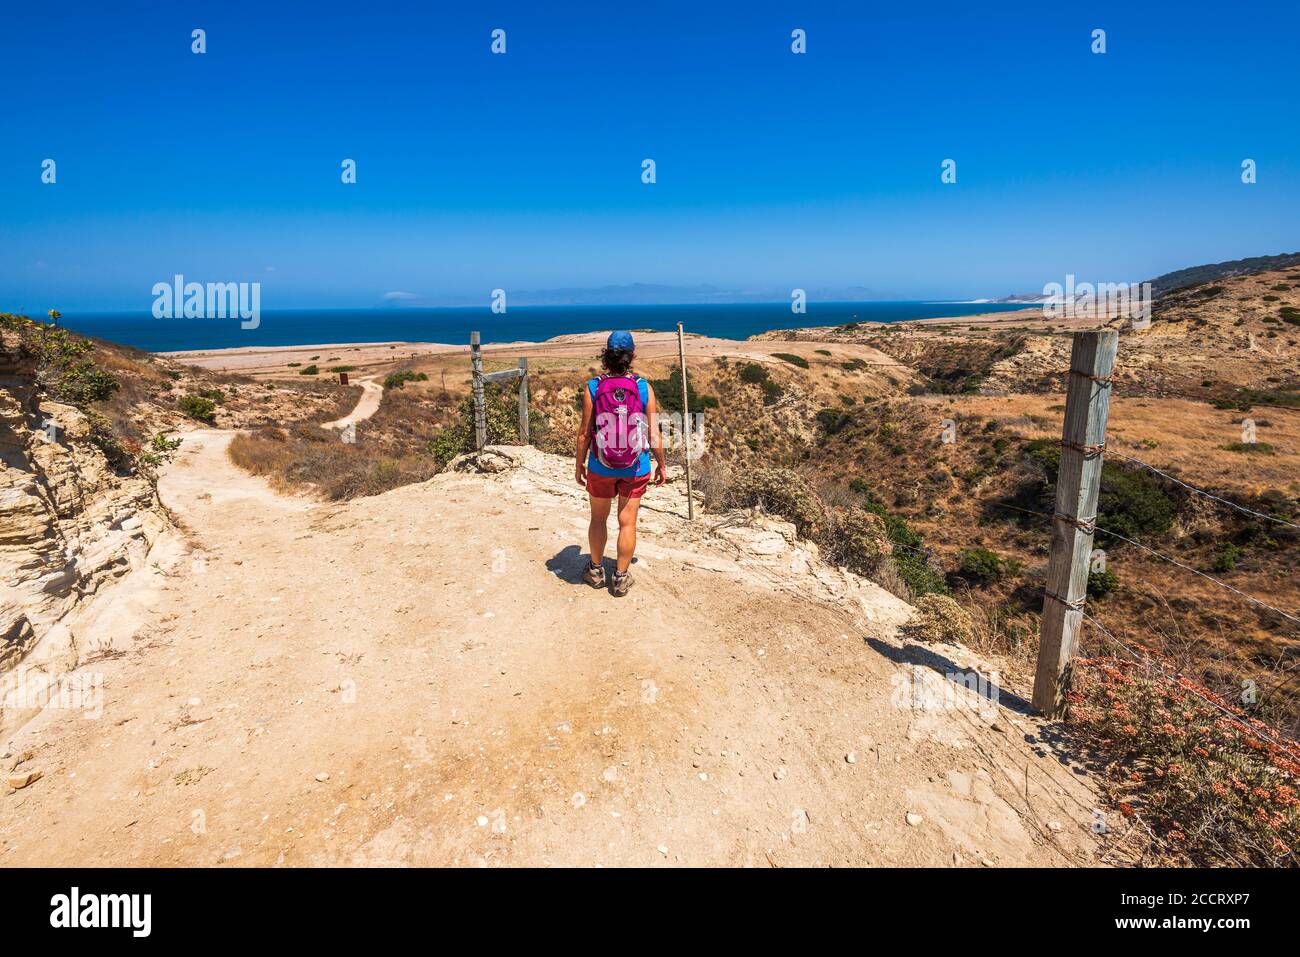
{"points": [[65, 365], [398, 380], [501, 412], [1102, 583], [160, 447], [1226, 558], [791, 358], [863, 487], [984, 567], [1131, 503], [771, 391], [160, 443], [1251, 448], [753, 373], [216, 395], [198, 407], [308, 370], [909, 556], [833, 420], [668, 394], [822, 352], [341, 369], [1245, 399]]}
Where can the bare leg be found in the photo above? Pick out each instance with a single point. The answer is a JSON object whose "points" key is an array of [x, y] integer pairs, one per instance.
{"points": [[627, 511], [598, 530]]}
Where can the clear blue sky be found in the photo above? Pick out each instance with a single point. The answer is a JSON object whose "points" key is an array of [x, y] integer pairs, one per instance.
{"points": [[523, 171]]}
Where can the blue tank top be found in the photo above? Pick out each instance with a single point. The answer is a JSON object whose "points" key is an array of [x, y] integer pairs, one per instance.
{"points": [[642, 466]]}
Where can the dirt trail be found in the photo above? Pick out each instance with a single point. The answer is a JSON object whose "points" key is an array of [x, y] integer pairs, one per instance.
{"points": [[420, 678], [371, 396]]}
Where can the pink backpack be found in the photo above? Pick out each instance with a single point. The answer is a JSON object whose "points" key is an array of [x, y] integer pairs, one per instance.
{"points": [[619, 421]]}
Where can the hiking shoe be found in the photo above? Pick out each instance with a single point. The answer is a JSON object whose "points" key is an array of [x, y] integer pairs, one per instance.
{"points": [[594, 576], [621, 582]]}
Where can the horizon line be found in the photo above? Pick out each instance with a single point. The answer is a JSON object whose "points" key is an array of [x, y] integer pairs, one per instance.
{"points": [[576, 305]]}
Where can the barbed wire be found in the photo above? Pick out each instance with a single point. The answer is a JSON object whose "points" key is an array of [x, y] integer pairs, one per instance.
{"points": [[1194, 571], [1201, 491], [1143, 659], [1172, 561], [1287, 746]]}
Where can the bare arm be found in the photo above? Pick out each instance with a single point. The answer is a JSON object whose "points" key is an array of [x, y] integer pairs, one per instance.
{"points": [[583, 443], [656, 436]]}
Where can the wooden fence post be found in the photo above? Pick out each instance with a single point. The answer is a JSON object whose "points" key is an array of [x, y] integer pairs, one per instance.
{"points": [[686, 423], [1078, 482], [480, 412], [523, 401]]}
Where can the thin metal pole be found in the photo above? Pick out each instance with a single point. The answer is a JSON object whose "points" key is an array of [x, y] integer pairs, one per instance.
{"points": [[480, 412], [523, 401], [686, 424]]}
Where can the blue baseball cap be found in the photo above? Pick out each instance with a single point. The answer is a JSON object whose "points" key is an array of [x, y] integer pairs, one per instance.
{"points": [[620, 340]]}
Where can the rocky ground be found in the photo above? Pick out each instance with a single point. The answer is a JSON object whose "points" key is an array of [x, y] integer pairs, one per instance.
{"points": [[420, 677], [78, 503]]}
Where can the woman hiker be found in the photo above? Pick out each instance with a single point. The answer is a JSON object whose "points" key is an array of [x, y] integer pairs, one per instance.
{"points": [[615, 441]]}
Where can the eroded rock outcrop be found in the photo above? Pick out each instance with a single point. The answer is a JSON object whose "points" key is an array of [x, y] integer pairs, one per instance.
{"points": [[70, 525]]}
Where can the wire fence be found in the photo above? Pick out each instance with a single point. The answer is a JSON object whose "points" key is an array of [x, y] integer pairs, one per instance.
{"points": [[1173, 561], [1255, 728], [1201, 491]]}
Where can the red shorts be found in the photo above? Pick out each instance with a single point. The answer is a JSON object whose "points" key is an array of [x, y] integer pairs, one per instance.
{"points": [[611, 486]]}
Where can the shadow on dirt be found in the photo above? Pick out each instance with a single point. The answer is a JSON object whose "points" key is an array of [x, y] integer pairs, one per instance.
{"points": [[913, 654], [570, 562]]}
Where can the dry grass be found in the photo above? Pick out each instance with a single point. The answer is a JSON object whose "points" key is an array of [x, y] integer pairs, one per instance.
{"points": [[391, 450]]}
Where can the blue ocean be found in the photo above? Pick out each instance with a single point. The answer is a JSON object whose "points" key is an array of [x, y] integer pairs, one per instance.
{"points": [[521, 323]]}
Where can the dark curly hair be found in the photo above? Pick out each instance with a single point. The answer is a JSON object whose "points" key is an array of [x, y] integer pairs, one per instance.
{"points": [[616, 361]]}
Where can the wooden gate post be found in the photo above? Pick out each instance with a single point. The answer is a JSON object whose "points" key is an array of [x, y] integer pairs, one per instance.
{"points": [[480, 412], [1078, 482], [523, 401]]}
